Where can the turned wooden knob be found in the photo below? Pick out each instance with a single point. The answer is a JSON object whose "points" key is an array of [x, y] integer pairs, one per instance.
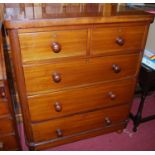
{"points": [[116, 68], [59, 132], [58, 106], [107, 121], [112, 95], [56, 47], [120, 41], [2, 92], [56, 77]]}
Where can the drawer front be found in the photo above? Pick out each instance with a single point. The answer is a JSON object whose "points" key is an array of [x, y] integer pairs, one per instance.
{"points": [[8, 143], [68, 126], [73, 101], [80, 136], [3, 102], [45, 77], [6, 125], [111, 40], [3, 108], [54, 44]]}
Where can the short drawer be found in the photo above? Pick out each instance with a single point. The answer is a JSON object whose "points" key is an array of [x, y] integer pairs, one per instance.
{"points": [[53, 44], [8, 143], [44, 77], [112, 40], [6, 125], [68, 126], [59, 104]]}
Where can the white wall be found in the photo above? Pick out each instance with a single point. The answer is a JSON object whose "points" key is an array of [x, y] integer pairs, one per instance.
{"points": [[150, 44]]}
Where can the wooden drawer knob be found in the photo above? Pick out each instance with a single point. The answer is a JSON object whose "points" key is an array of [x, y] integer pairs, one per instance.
{"points": [[56, 47], [116, 68], [2, 92], [120, 41], [107, 121], [59, 132], [112, 95], [58, 106], [56, 77]]}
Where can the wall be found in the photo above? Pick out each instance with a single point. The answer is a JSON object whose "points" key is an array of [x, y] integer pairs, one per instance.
{"points": [[150, 44]]}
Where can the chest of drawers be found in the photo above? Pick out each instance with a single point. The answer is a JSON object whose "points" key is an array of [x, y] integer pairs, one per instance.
{"points": [[76, 76]]}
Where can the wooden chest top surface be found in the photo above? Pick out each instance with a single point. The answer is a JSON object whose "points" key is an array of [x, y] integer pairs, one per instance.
{"points": [[42, 15]]}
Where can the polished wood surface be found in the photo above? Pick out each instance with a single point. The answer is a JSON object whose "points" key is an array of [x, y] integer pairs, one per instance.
{"points": [[6, 125], [84, 135], [42, 44], [19, 77], [74, 101], [9, 137], [79, 123], [120, 38], [4, 108], [75, 67], [8, 142], [43, 15], [78, 72]]}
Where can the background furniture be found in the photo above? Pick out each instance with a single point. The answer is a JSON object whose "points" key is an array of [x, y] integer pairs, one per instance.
{"points": [[9, 138], [146, 81]]}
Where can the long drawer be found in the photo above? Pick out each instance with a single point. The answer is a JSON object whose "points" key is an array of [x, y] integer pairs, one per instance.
{"points": [[53, 44], [66, 126], [63, 103], [54, 76], [91, 133], [110, 40]]}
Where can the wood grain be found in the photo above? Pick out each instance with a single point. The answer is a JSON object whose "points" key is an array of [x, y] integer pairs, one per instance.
{"points": [[148, 18], [74, 73], [72, 42], [6, 125], [14, 42], [3, 108], [132, 35], [76, 137], [9, 142], [79, 123], [42, 107], [63, 95]]}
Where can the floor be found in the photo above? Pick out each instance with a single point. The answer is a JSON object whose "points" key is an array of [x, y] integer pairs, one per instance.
{"points": [[143, 139]]}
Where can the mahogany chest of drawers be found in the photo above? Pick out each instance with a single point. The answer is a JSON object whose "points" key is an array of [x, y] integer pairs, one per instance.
{"points": [[75, 74], [9, 139]]}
